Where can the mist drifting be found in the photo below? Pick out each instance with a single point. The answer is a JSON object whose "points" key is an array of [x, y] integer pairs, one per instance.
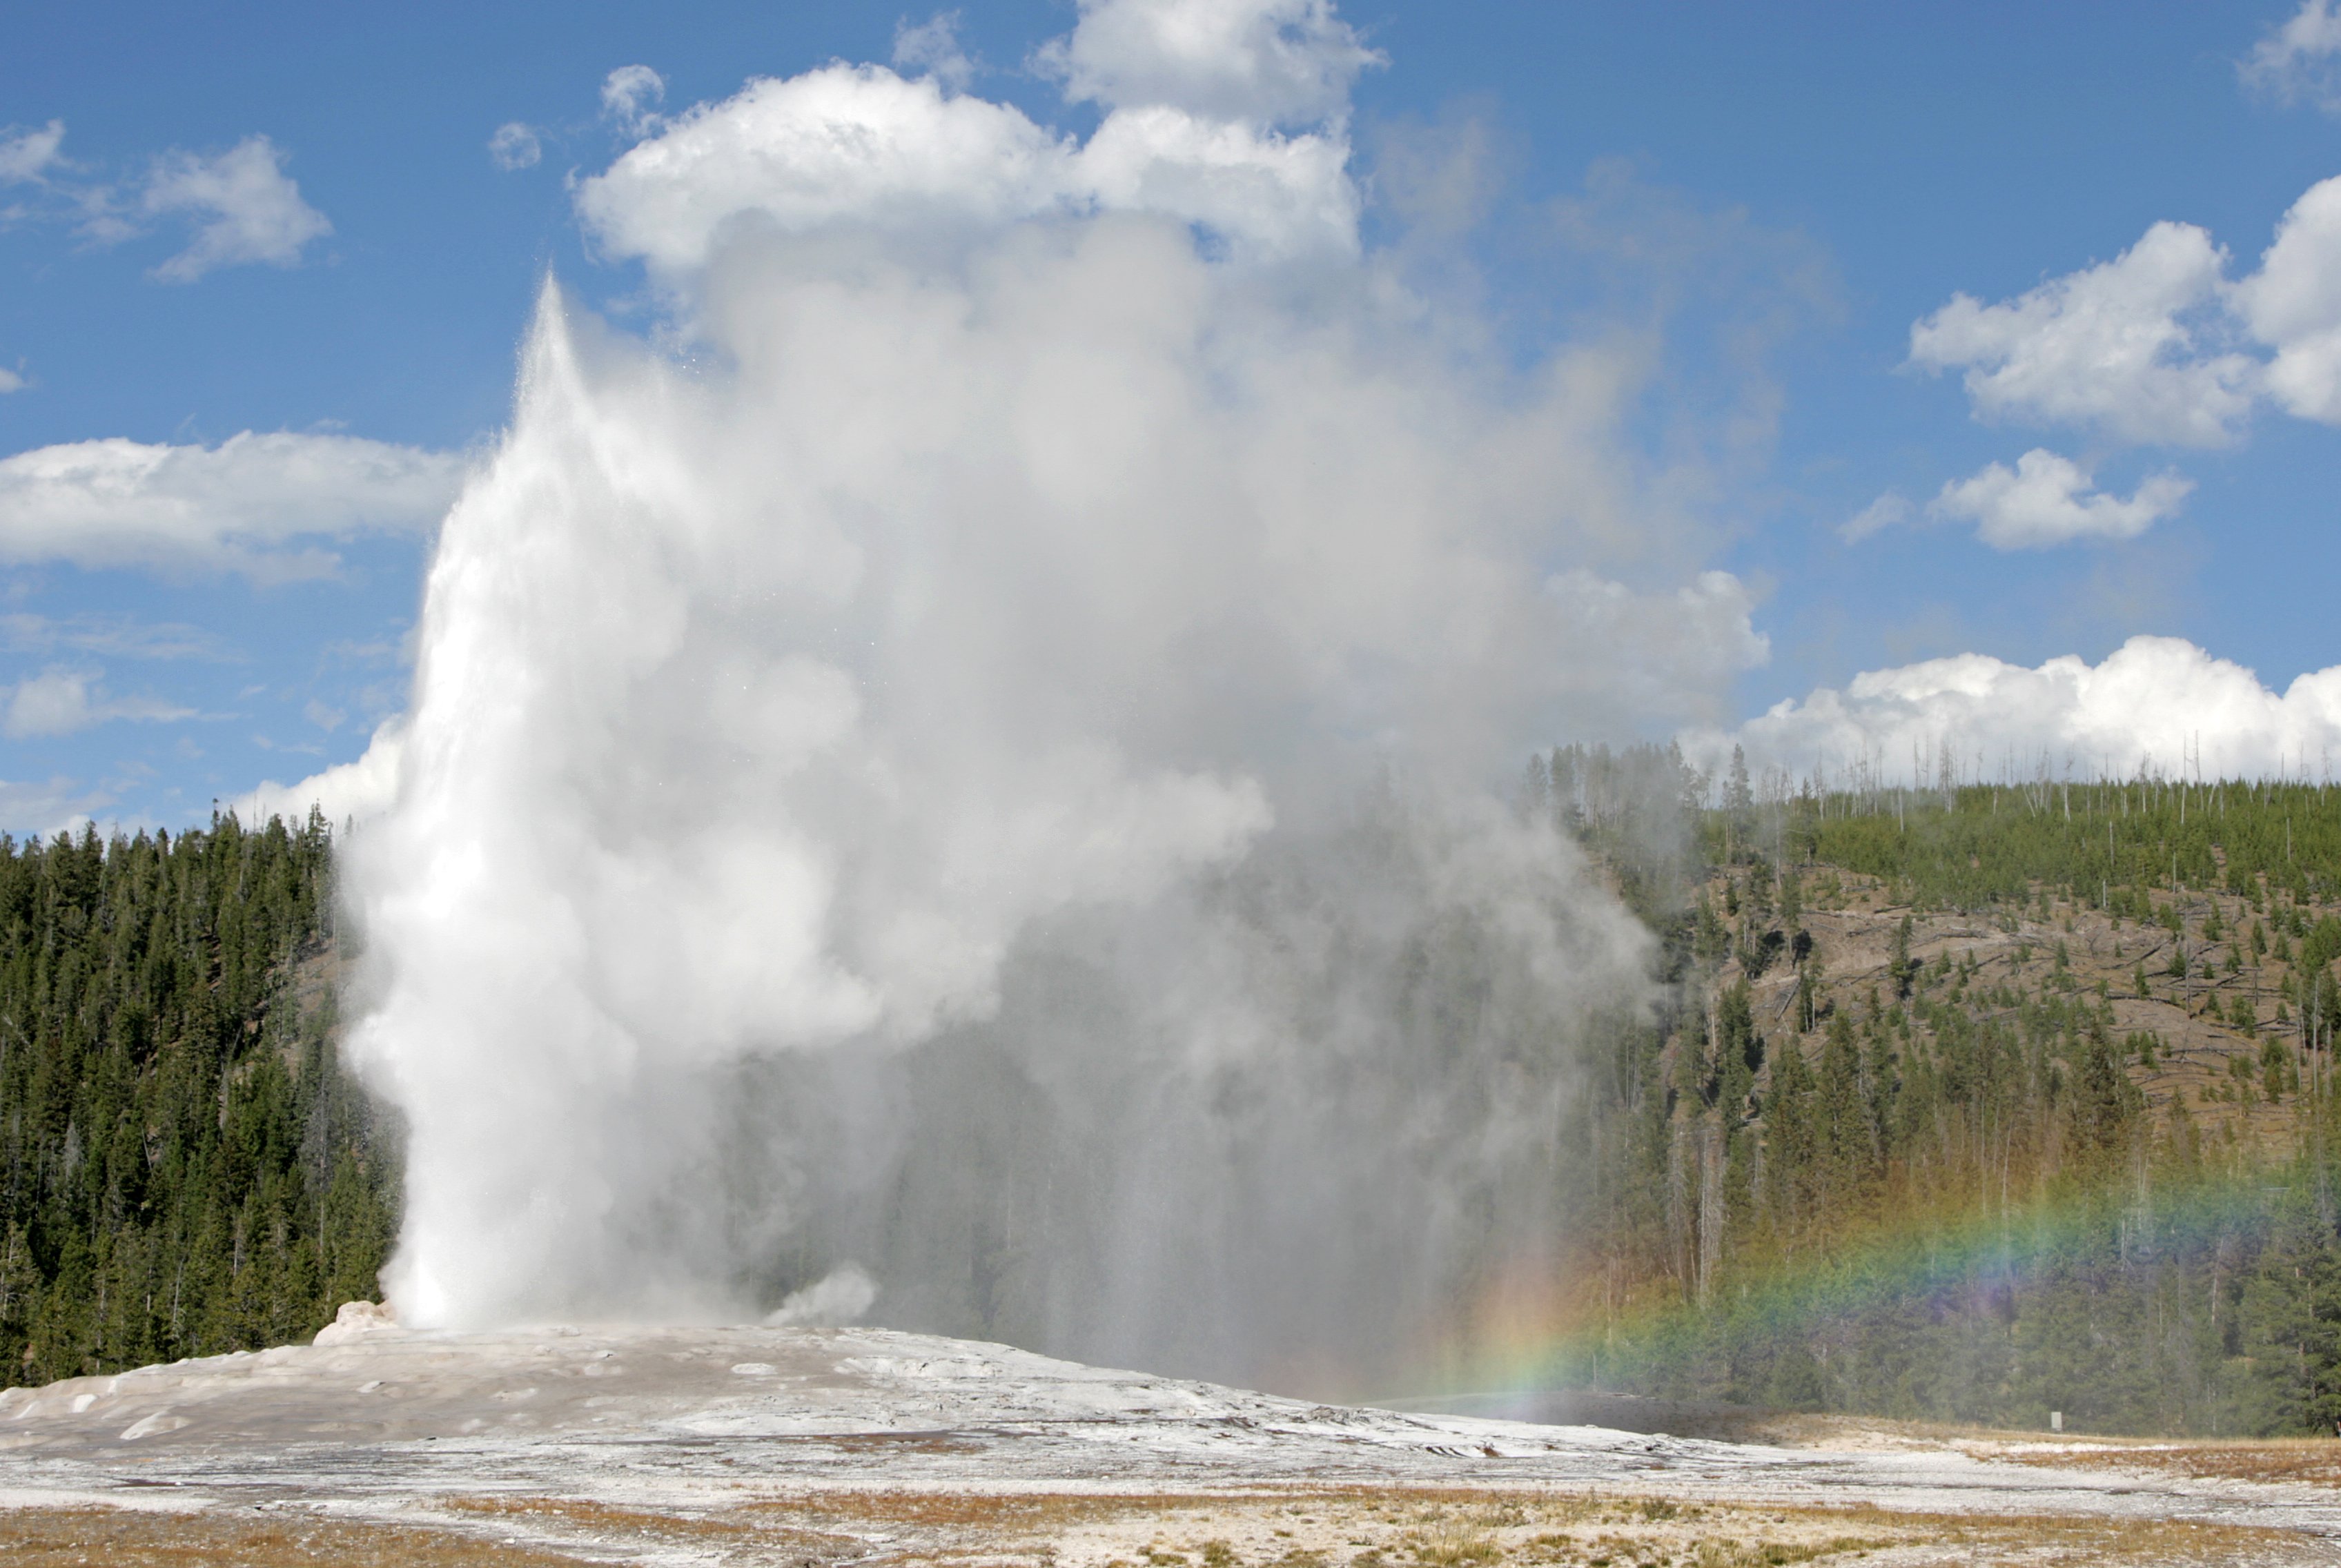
{"points": [[972, 760]]}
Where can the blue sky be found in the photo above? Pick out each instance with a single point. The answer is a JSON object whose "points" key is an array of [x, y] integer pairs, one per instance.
{"points": [[1799, 186]]}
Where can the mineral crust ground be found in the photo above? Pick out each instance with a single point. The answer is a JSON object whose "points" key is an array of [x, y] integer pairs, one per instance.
{"points": [[811, 1448]]}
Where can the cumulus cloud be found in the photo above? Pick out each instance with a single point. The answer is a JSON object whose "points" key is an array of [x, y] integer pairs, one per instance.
{"points": [[630, 96], [2122, 347], [1198, 92], [1274, 61], [516, 146], [843, 143], [2157, 345], [245, 209], [2150, 704], [2294, 304], [2047, 499], [2300, 60], [26, 156], [254, 504], [62, 701]]}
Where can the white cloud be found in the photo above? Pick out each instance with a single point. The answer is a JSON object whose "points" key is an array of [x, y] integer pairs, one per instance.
{"points": [[2293, 305], [245, 505], [2151, 703], [1196, 92], [2300, 61], [2151, 347], [931, 48], [1276, 195], [11, 381], [628, 96], [1266, 62], [516, 146], [841, 143], [2124, 347], [60, 701], [26, 156], [2047, 499], [351, 792], [246, 209], [241, 206], [1888, 510]]}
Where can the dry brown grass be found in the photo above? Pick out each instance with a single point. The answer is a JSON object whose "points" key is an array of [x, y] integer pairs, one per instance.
{"points": [[2316, 1461], [1366, 1527], [117, 1538], [734, 1531], [1353, 1527]]}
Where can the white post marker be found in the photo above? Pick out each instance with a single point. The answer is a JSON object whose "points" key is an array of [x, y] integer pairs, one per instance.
{"points": [[2056, 1421]]}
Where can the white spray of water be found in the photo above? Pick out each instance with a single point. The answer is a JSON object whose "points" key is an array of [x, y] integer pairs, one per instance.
{"points": [[889, 778]]}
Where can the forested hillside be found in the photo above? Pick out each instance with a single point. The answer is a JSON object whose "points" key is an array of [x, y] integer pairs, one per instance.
{"points": [[187, 1169], [1974, 1103], [1967, 1104]]}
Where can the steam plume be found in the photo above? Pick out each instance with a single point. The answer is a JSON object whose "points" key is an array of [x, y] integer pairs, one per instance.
{"points": [[977, 770]]}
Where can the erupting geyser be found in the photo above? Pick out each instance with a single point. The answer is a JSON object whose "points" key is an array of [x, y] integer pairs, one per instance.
{"points": [[975, 755]]}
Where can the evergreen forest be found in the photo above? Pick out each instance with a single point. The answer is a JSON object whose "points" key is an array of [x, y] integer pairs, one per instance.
{"points": [[187, 1169]]}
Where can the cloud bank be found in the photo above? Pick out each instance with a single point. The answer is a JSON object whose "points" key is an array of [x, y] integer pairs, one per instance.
{"points": [[254, 504], [2154, 705]]}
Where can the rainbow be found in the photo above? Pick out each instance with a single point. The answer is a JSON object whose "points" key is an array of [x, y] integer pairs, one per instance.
{"points": [[1574, 1330]]}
